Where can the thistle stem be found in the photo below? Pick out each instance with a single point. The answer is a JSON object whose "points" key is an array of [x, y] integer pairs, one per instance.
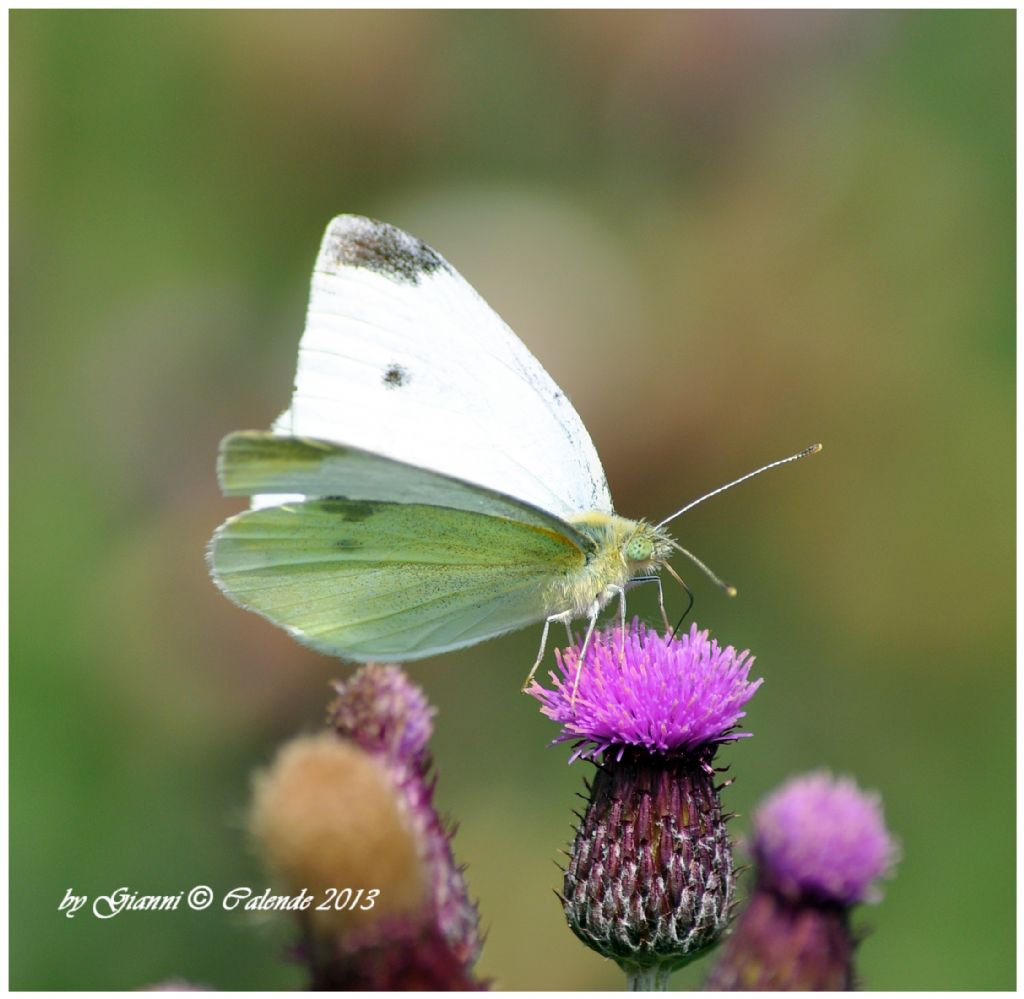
{"points": [[651, 979]]}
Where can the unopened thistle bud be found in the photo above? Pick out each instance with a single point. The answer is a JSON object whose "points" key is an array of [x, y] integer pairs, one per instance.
{"points": [[821, 845], [348, 816], [650, 878], [381, 710]]}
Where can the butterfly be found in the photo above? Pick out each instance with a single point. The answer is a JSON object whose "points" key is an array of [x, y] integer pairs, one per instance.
{"points": [[430, 486]]}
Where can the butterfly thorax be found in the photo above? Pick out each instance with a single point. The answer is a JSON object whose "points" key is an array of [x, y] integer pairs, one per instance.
{"points": [[622, 550]]}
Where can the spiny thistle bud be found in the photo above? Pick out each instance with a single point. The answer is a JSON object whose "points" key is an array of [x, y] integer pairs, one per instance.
{"points": [[390, 717], [353, 809], [650, 877], [821, 845], [380, 709]]}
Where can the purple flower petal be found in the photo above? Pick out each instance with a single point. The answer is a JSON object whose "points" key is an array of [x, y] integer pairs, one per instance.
{"points": [[649, 690]]}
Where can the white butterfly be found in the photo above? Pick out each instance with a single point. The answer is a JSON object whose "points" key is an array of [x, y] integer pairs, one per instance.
{"points": [[430, 485]]}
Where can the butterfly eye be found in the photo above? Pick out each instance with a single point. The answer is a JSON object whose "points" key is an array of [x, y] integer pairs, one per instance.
{"points": [[640, 550]]}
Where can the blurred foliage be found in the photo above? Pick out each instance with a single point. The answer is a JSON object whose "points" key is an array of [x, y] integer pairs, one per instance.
{"points": [[725, 234]]}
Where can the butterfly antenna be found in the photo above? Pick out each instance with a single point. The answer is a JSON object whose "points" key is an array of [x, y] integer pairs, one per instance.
{"points": [[813, 449], [730, 590]]}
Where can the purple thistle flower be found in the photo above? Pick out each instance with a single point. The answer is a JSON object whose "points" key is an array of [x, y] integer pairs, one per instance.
{"points": [[650, 877], [824, 838], [779, 946], [648, 690], [379, 708], [821, 845], [352, 809], [382, 710]]}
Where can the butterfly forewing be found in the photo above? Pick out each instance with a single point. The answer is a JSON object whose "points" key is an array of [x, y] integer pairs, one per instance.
{"points": [[400, 357]]}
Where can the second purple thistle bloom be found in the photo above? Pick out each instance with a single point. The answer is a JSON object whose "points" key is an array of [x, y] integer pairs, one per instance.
{"points": [[821, 846], [650, 878]]}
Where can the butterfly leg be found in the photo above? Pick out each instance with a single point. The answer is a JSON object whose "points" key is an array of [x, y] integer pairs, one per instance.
{"points": [[621, 591], [661, 605], [595, 609], [564, 616], [661, 596]]}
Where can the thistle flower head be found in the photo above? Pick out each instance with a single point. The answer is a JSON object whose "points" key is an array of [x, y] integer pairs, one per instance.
{"points": [[650, 879], [824, 838], [640, 688], [820, 844], [382, 710], [353, 808]]}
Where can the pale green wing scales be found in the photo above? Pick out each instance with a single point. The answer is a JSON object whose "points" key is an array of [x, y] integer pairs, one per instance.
{"points": [[261, 464], [391, 581]]}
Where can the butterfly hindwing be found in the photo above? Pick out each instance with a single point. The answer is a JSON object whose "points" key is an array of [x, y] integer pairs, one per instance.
{"points": [[376, 580]]}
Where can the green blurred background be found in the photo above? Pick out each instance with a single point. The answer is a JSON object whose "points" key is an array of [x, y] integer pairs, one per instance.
{"points": [[726, 235]]}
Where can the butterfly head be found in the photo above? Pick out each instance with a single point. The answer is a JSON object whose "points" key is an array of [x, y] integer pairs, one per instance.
{"points": [[646, 549]]}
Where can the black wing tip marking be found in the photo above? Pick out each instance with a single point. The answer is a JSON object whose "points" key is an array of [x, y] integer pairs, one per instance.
{"points": [[357, 241]]}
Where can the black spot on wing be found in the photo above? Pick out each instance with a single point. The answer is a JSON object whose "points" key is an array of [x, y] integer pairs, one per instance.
{"points": [[354, 241], [351, 511], [347, 544], [395, 376]]}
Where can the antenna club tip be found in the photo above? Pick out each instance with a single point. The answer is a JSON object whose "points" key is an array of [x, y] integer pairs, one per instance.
{"points": [[731, 591], [815, 448]]}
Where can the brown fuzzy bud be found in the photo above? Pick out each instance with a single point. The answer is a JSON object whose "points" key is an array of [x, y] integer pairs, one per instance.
{"points": [[325, 815]]}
